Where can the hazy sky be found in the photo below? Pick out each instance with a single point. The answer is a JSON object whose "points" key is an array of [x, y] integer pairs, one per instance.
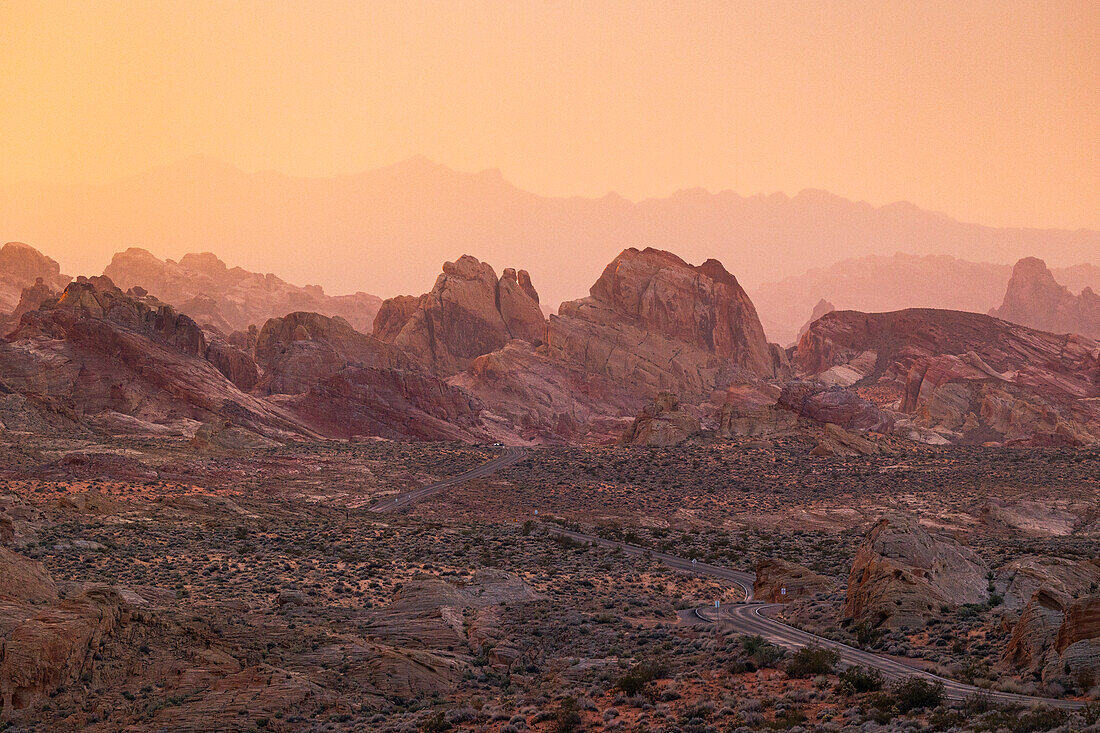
{"points": [[989, 111]]}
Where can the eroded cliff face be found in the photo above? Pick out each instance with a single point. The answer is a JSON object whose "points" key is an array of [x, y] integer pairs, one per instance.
{"points": [[1035, 299], [659, 324], [468, 313]]}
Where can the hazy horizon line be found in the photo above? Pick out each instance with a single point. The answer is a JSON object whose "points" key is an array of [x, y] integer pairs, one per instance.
{"points": [[497, 172]]}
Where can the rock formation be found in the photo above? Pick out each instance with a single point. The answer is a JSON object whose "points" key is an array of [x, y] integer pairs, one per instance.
{"points": [[661, 423], [774, 576], [820, 308], [901, 576], [46, 642], [121, 362], [468, 313], [21, 266], [840, 407], [659, 324], [836, 441], [1035, 299], [302, 349], [232, 299], [962, 377], [1057, 639]]}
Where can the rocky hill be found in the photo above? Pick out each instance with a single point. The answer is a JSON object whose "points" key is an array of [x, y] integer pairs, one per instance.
{"points": [[960, 376], [232, 298], [1035, 298]]}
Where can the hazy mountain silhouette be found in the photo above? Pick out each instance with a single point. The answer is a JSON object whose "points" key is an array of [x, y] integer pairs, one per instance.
{"points": [[385, 231]]}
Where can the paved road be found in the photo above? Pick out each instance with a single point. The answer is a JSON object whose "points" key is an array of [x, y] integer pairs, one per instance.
{"points": [[752, 618], [405, 499], [746, 617]]}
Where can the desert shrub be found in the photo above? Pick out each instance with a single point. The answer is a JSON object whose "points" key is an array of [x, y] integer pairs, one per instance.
{"points": [[762, 652], [566, 718], [916, 692], [635, 681], [812, 660], [856, 680], [435, 724]]}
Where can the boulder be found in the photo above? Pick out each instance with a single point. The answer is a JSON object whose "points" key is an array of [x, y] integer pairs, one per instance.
{"points": [[774, 576], [662, 423], [835, 405], [901, 575], [836, 441]]}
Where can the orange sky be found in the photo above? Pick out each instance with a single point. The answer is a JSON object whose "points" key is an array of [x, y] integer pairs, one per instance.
{"points": [[989, 111]]}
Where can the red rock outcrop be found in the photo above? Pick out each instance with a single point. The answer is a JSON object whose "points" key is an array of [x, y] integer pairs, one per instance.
{"points": [[46, 642], [840, 407], [901, 575], [661, 423], [1035, 299], [780, 581], [232, 299], [1057, 637], [962, 377], [468, 313], [21, 266], [98, 353], [302, 349], [530, 397], [659, 324]]}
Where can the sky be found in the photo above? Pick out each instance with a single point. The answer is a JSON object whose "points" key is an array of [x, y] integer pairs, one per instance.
{"points": [[987, 111]]}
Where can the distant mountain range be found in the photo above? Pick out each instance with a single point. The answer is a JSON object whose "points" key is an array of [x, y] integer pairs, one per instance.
{"points": [[385, 231]]}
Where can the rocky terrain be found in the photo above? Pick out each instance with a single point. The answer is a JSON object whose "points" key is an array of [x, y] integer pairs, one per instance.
{"points": [[187, 538], [232, 298], [1035, 298]]}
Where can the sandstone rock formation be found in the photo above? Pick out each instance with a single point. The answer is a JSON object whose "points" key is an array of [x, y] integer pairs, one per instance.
{"points": [[527, 396], [1057, 639], [101, 357], [1019, 580], [962, 377], [820, 308], [659, 324], [774, 576], [302, 349], [46, 642], [21, 266], [840, 407], [1035, 299], [901, 575], [661, 423], [836, 441], [469, 313], [232, 299]]}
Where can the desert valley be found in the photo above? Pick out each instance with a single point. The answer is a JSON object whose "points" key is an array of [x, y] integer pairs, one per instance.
{"points": [[512, 366], [232, 503]]}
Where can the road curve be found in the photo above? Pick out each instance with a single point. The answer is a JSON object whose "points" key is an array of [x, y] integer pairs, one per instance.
{"points": [[746, 617], [752, 618], [510, 456]]}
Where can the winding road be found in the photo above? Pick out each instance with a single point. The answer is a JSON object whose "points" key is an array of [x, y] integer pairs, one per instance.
{"points": [[508, 457], [747, 617]]}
